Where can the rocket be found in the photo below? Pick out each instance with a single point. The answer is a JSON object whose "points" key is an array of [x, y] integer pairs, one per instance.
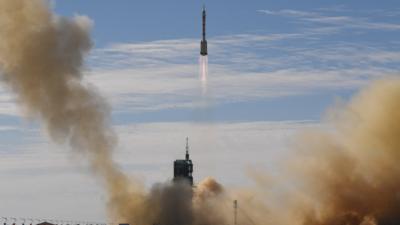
{"points": [[203, 43]]}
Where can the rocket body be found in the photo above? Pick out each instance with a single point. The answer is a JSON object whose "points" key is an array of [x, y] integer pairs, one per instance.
{"points": [[203, 43]]}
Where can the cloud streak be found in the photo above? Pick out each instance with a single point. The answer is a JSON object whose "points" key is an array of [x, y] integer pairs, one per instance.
{"points": [[325, 17], [171, 81], [161, 75]]}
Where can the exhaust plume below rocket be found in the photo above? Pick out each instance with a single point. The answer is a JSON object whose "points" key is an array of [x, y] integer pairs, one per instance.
{"points": [[203, 65]]}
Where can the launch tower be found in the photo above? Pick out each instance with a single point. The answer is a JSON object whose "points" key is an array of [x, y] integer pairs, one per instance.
{"points": [[183, 168]]}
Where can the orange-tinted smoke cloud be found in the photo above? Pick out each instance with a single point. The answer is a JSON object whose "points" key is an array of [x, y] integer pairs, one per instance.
{"points": [[352, 175], [346, 174], [41, 58]]}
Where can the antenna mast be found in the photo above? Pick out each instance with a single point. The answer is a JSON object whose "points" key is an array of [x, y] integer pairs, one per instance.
{"points": [[187, 148], [235, 206]]}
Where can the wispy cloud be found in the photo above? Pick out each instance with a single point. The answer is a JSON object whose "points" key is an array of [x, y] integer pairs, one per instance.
{"points": [[289, 12], [158, 75], [164, 74], [338, 17]]}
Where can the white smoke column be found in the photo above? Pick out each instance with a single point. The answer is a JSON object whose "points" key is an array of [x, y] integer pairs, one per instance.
{"points": [[203, 64]]}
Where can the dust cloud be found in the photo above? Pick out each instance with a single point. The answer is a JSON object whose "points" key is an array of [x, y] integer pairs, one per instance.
{"points": [[346, 173]]}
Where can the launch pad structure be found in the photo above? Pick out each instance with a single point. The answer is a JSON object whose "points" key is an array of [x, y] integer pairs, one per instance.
{"points": [[183, 168]]}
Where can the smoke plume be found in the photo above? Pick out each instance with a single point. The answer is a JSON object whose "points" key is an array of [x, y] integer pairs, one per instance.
{"points": [[351, 175], [41, 58], [347, 174]]}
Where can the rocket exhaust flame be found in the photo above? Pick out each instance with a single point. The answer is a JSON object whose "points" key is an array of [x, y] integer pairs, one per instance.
{"points": [[203, 65], [349, 177]]}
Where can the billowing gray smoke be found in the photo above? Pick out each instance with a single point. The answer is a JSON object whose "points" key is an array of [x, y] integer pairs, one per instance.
{"points": [[348, 174], [41, 57]]}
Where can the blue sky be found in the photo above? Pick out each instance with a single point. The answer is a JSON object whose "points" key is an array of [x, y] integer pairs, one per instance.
{"points": [[256, 37], [252, 37], [129, 21], [275, 68]]}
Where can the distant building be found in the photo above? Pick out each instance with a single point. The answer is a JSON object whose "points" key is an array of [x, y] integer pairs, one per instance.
{"points": [[45, 223], [183, 168]]}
